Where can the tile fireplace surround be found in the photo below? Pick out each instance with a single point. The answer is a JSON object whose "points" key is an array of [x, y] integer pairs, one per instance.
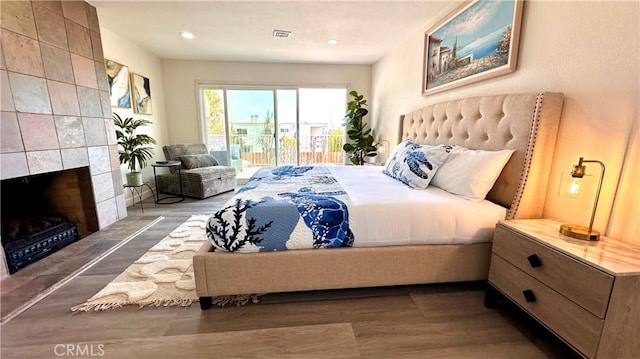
{"points": [[55, 109]]}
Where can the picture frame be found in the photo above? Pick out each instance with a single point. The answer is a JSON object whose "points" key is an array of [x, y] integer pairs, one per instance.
{"points": [[141, 91], [119, 89], [477, 41]]}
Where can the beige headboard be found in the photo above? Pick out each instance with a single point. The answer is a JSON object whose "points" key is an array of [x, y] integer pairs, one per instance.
{"points": [[527, 123]]}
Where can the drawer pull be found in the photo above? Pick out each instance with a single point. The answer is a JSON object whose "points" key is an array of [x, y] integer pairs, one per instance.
{"points": [[534, 260], [529, 296]]}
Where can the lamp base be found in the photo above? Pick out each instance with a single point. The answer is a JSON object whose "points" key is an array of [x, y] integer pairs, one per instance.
{"points": [[579, 232]]}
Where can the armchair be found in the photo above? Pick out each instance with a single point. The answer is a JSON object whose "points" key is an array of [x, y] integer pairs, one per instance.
{"points": [[202, 176]]}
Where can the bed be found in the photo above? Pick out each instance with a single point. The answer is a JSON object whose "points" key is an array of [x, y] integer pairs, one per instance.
{"points": [[524, 123]]}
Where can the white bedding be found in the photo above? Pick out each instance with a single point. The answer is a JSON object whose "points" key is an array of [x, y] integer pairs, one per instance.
{"points": [[383, 211]]}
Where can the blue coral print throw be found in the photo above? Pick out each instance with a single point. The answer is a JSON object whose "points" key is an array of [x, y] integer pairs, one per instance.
{"points": [[286, 207]]}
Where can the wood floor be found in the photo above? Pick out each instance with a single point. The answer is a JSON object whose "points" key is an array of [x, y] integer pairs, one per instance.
{"points": [[426, 321]]}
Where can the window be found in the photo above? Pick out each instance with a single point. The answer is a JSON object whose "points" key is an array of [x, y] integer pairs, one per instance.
{"points": [[274, 125]]}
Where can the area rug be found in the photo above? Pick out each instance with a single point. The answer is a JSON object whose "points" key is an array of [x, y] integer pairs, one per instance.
{"points": [[161, 277]]}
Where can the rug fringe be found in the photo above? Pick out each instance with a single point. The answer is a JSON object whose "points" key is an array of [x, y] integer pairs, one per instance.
{"points": [[237, 300], [222, 301], [98, 307], [169, 303]]}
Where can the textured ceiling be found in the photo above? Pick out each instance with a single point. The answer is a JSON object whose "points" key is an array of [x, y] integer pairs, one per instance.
{"points": [[242, 30]]}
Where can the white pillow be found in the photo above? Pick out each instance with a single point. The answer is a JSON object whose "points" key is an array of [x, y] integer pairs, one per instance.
{"points": [[471, 173], [415, 165]]}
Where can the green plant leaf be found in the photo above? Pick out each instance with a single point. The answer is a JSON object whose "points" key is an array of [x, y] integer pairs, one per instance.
{"points": [[347, 147], [361, 140], [134, 148]]}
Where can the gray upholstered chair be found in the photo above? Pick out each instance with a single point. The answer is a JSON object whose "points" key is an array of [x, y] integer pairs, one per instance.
{"points": [[202, 177]]}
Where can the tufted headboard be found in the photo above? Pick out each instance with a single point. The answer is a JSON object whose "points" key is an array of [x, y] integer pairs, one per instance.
{"points": [[527, 123]]}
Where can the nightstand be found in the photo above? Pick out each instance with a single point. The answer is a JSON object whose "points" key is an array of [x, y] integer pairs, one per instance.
{"points": [[586, 293]]}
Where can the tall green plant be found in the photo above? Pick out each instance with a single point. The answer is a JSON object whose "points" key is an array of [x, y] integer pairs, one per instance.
{"points": [[361, 143], [134, 148]]}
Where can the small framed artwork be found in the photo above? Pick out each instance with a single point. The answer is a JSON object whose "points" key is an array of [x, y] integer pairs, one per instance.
{"points": [[477, 41], [118, 76], [141, 94]]}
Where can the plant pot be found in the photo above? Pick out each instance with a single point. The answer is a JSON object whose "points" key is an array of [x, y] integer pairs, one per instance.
{"points": [[134, 179]]}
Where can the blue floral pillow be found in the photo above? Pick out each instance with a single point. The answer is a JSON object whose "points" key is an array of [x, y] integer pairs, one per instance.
{"points": [[415, 165]]}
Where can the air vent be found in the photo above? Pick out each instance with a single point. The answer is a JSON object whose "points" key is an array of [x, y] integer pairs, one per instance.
{"points": [[281, 33]]}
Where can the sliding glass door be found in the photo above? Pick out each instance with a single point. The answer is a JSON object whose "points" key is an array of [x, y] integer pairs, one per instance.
{"points": [[321, 131], [251, 118], [287, 126], [215, 132], [249, 128]]}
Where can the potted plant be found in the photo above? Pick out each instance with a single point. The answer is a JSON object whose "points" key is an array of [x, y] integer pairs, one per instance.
{"points": [[361, 143], [134, 148]]}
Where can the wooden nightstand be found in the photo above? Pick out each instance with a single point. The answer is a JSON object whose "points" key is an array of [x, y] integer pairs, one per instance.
{"points": [[587, 293]]}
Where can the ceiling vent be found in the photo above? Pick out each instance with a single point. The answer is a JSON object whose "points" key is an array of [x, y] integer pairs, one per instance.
{"points": [[281, 33]]}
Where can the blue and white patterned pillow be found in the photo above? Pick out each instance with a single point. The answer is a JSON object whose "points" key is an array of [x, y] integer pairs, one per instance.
{"points": [[415, 165]]}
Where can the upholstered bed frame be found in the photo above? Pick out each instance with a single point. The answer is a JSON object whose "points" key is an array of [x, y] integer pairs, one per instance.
{"points": [[527, 123]]}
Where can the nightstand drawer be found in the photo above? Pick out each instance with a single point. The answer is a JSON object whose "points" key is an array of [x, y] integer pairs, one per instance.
{"points": [[577, 326], [583, 284]]}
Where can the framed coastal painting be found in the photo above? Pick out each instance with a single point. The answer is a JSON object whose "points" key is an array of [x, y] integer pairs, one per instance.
{"points": [[475, 42], [141, 94], [118, 76]]}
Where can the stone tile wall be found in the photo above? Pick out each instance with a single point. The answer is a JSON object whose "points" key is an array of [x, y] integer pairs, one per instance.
{"points": [[55, 110]]}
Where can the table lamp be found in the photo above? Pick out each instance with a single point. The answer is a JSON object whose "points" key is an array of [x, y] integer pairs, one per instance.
{"points": [[577, 231]]}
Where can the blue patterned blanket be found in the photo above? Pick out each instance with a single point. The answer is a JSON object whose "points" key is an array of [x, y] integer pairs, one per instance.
{"points": [[286, 207]]}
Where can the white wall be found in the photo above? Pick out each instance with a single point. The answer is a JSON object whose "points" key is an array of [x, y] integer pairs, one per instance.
{"points": [[142, 62], [587, 50], [180, 77]]}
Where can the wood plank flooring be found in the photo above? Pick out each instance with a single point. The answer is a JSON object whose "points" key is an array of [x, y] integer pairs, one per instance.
{"points": [[424, 321]]}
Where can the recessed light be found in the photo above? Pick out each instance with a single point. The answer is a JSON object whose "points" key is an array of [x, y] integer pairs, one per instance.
{"points": [[332, 42], [186, 35]]}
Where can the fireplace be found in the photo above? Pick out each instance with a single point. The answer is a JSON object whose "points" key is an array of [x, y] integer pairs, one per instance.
{"points": [[56, 115], [43, 213]]}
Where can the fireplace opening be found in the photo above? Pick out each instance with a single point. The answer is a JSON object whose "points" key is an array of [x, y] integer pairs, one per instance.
{"points": [[43, 213]]}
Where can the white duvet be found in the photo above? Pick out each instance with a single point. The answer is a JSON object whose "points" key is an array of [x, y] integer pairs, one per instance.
{"points": [[383, 211]]}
